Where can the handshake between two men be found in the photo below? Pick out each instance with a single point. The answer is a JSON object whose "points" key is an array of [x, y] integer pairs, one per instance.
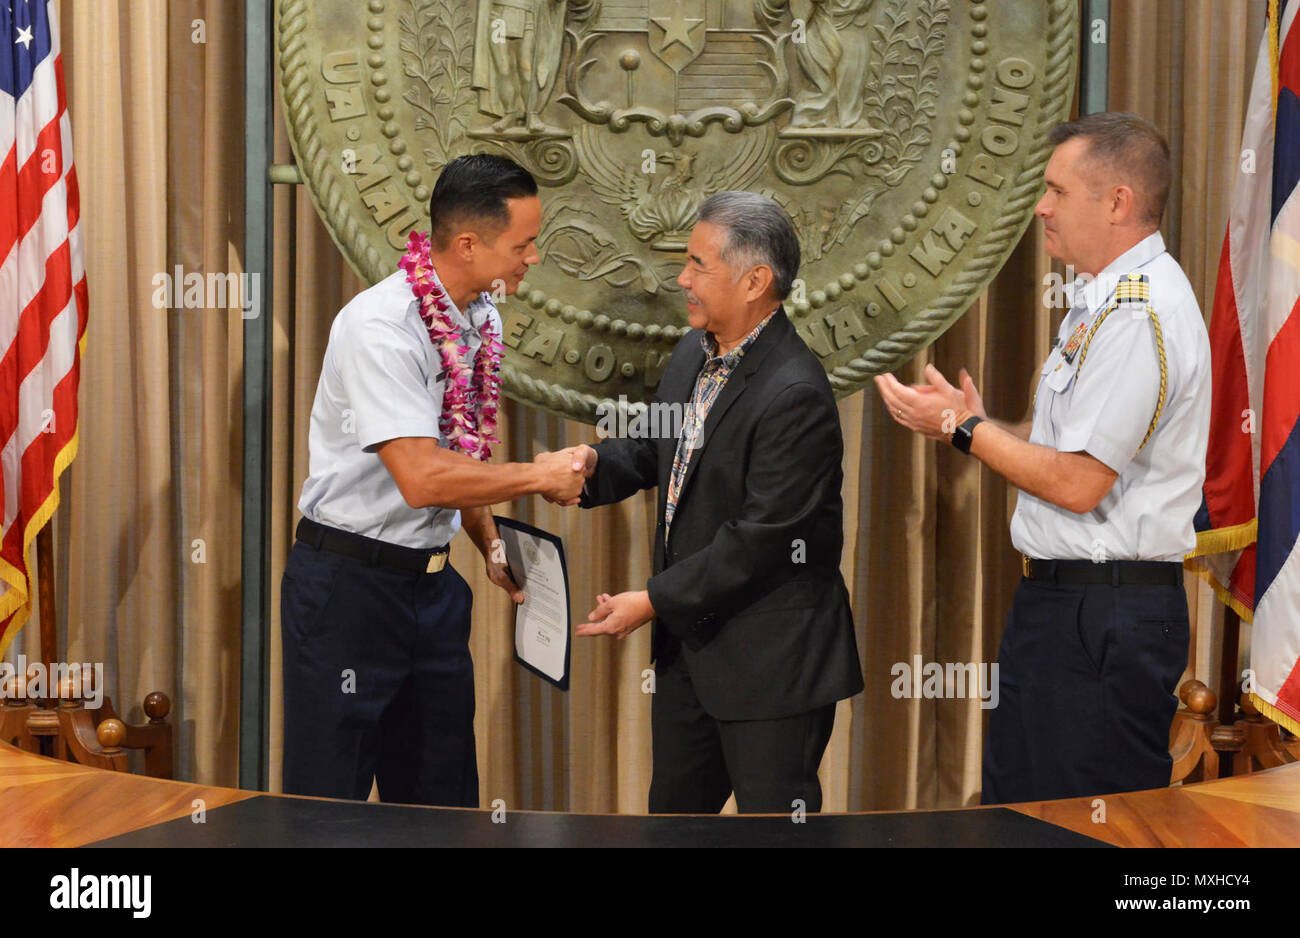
{"points": [[753, 642], [621, 614], [428, 474]]}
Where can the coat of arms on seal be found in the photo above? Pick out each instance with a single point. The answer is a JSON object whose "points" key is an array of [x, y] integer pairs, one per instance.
{"points": [[905, 137]]}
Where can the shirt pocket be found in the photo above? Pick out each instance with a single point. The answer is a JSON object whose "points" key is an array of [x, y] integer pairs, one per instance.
{"points": [[1062, 373], [1042, 393], [1050, 364]]}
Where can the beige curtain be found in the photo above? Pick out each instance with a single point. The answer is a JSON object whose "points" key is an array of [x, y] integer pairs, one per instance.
{"points": [[148, 553], [157, 123]]}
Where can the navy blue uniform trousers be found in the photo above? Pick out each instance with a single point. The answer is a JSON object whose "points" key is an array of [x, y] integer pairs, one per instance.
{"points": [[1087, 679], [378, 681]]}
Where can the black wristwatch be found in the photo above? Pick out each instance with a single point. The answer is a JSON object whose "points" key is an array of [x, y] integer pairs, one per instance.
{"points": [[962, 436]]}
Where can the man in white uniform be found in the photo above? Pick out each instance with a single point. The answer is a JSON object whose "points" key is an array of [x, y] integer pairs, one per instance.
{"points": [[378, 681], [1110, 472]]}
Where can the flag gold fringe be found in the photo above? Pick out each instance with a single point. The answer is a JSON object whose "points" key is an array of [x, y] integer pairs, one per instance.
{"points": [[1223, 540], [1287, 722], [1225, 596]]}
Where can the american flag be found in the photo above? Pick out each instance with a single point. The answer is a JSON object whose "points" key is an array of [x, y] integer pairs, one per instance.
{"points": [[1251, 507], [42, 293]]}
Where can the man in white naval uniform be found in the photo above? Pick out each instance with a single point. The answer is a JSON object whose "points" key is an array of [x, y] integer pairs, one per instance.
{"points": [[1110, 471], [378, 681]]}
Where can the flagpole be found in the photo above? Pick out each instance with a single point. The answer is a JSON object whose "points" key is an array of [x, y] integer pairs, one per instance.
{"points": [[45, 595], [1228, 670], [1228, 693]]}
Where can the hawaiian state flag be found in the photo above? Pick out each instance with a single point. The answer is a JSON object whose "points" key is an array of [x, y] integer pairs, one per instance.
{"points": [[42, 294], [1249, 522]]}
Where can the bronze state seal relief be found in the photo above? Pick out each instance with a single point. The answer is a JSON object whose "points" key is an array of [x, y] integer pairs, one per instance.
{"points": [[906, 138]]}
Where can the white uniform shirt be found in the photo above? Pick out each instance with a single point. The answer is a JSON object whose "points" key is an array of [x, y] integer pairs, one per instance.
{"points": [[1106, 409], [381, 379]]}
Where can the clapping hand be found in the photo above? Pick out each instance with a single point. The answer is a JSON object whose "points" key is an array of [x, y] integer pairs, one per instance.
{"points": [[934, 409]]}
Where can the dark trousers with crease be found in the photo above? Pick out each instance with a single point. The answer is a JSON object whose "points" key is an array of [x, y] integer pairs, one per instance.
{"points": [[378, 681], [1087, 677], [771, 765]]}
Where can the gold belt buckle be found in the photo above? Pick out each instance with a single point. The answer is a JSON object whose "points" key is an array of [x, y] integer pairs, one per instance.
{"points": [[436, 563], [1025, 566]]}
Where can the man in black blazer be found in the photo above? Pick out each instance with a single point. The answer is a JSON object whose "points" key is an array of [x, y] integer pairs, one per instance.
{"points": [[753, 636]]}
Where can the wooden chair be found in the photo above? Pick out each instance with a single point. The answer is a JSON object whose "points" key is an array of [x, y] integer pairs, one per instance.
{"points": [[66, 728], [1197, 738]]}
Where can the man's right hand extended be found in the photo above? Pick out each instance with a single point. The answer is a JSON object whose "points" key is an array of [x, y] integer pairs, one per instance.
{"points": [[566, 471]]}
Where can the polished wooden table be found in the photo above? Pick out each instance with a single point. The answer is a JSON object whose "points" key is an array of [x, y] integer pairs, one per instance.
{"points": [[48, 803]]}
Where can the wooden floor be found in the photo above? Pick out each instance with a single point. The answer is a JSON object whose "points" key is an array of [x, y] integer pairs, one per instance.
{"points": [[47, 803]]}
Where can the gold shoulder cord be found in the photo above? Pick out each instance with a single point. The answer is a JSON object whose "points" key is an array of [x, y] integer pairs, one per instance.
{"points": [[1134, 288]]}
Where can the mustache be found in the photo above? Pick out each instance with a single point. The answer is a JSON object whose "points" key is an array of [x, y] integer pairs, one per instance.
{"points": [[692, 298]]}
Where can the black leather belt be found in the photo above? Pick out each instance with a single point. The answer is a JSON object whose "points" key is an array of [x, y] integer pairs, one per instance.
{"points": [[372, 551], [1111, 573]]}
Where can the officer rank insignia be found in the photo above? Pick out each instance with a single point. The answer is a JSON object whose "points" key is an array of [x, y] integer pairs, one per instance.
{"points": [[1133, 288]]}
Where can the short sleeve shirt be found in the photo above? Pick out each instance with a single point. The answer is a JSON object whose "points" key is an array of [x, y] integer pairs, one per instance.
{"points": [[381, 379], [1104, 407]]}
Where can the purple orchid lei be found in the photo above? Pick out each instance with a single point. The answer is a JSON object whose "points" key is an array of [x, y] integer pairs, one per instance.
{"points": [[469, 403]]}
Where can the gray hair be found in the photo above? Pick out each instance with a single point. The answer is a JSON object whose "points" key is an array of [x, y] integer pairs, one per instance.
{"points": [[759, 232], [1126, 148]]}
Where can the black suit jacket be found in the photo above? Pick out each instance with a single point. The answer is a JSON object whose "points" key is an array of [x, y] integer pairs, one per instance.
{"points": [[747, 587]]}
